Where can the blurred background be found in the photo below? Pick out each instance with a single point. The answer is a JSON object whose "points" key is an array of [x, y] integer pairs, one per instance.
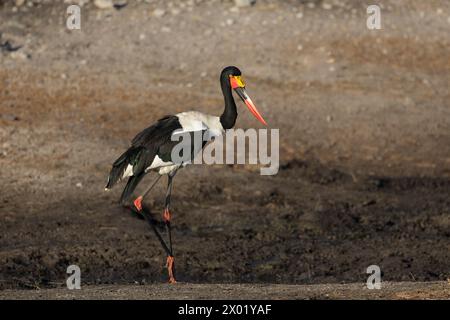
{"points": [[364, 121]]}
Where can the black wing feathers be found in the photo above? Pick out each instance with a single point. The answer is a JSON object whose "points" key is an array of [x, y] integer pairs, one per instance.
{"points": [[144, 147], [132, 183], [119, 166], [157, 134]]}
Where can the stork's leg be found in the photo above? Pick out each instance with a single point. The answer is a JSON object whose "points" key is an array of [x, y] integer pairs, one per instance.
{"points": [[152, 221], [138, 201], [167, 218], [153, 224]]}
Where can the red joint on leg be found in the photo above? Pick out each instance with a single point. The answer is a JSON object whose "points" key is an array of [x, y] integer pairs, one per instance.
{"points": [[166, 215], [138, 203], [170, 269]]}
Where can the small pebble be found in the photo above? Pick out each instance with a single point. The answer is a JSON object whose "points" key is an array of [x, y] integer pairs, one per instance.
{"points": [[103, 4], [159, 13], [244, 3]]}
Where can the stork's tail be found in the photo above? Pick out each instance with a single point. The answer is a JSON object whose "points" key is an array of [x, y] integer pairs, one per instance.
{"points": [[132, 183], [120, 165]]}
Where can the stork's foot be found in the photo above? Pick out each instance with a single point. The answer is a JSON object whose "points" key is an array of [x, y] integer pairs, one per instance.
{"points": [[138, 203], [170, 265], [167, 215]]}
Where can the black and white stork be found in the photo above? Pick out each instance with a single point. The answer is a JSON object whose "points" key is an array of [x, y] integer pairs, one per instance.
{"points": [[151, 150]]}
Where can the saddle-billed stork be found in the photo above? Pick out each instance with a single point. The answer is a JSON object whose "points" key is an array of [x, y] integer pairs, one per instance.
{"points": [[151, 150]]}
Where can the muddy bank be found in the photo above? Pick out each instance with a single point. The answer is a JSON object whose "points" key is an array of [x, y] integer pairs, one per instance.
{"points": [[390, 290]]}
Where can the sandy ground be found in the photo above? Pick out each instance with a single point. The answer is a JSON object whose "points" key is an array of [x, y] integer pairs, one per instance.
{"points": [[389, 290], [365, 153]]}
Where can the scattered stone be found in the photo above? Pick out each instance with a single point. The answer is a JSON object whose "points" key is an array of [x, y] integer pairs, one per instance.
{"points": [[19, 55], [229, 22], [120, 4], [7, 46], [9, 117], [158, 13], [80, 3], [19, 3], [327, 6], [79, 185], [244, 3], [104, 4]]}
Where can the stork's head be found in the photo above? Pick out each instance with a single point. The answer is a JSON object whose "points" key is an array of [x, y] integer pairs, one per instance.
{"points": [[233, 76]]}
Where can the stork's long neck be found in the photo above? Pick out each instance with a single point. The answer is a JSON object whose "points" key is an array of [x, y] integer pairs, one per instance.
{"points": [[229, 115]]}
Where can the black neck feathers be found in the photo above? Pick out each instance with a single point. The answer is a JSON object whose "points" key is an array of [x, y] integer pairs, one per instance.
{"points": [[229, 115]]}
